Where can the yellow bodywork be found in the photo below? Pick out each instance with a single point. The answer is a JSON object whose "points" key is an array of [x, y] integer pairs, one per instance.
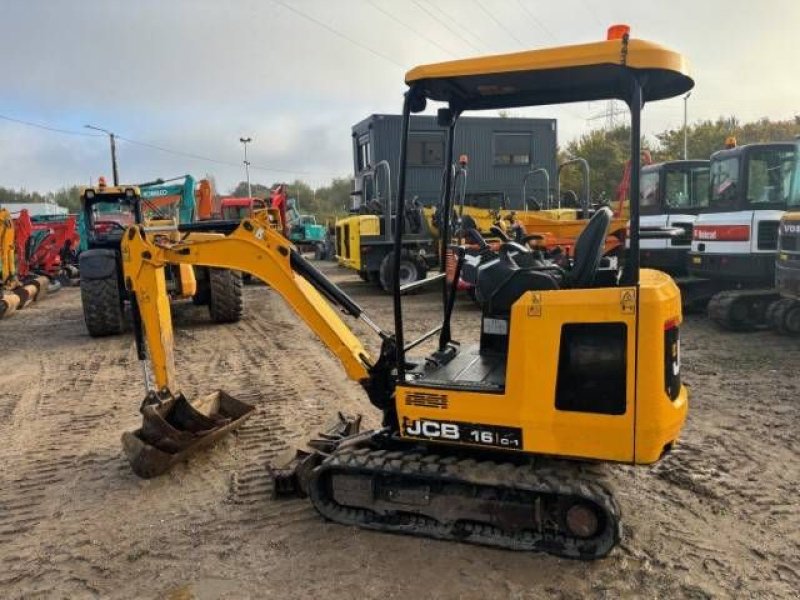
{"points": [[8, 267], [651, 421], [349, 231], [166, 230], [560, 223], [256, 248], [665, 67]]}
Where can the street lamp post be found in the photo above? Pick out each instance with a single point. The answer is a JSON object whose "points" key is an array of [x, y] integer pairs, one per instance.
{"points": [[686, 126], [114, 169], [245, 141]]}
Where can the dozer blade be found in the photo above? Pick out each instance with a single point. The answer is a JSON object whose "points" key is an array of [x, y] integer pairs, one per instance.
{"points": [[291, 479], [173, 429]]}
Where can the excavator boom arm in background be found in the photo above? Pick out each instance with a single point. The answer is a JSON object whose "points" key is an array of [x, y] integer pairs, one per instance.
{"points": [[255, 247]]}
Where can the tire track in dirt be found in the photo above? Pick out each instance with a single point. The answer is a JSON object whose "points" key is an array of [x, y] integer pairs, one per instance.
{"points": [[718, 518], [295, 392], [51, 443]]}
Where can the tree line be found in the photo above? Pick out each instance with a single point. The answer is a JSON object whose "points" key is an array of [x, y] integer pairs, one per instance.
{"points": [[606, 150], [68, 197]]}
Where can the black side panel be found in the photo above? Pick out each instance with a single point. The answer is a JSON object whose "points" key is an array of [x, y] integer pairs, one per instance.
{"points": [[672, 362], [98, 263], [591, 368]]}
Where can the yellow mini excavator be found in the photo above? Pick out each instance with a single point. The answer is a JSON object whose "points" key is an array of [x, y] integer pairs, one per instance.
{"points": [[498, 443]]}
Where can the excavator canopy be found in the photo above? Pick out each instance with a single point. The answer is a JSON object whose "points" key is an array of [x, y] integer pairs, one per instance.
{"points": [[594, 71]]}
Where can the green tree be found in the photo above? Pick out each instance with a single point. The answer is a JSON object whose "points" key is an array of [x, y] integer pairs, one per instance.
{"points": [[706, 137], [70, 198], [606, 150]]}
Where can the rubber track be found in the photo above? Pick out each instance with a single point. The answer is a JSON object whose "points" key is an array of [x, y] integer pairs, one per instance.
{"points": [[721, 306], [225, 302], [562, 478], [103, 311]]}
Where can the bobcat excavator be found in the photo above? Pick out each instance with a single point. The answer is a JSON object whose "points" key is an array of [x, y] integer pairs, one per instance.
{"points": [[497, 443]]}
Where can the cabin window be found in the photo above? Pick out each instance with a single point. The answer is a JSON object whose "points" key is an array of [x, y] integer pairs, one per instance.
{"points": [[512, 148], [648, 190], [687, 189], [426, 149], [363, 154], [769, 175], [724, 181]]}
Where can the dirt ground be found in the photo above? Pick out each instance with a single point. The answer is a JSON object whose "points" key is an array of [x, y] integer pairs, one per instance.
{"points": [[718, 518]]}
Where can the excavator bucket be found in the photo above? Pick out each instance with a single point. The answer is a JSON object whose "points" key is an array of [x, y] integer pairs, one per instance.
{"points": [[173, 429]]}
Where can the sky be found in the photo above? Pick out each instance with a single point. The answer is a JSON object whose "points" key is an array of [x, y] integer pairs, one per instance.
{"points": [[181, 81]]}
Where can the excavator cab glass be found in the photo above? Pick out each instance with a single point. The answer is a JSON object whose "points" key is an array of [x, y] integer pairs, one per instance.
{"points": [[769, 173], [107, 212], [724, 182], [686, 188], [794, 192]]}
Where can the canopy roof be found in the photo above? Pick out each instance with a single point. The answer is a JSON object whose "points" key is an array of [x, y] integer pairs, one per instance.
{"points": [[595, 71]]}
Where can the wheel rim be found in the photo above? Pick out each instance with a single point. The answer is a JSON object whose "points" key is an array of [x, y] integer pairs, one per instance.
{"points": [[408, 272]]}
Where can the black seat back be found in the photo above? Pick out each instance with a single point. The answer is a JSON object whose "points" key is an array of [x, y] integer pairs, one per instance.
{"points": [[589, 249]]}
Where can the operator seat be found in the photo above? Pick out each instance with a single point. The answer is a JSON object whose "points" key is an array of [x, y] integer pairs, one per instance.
{"points": [[589, 250], [501, 281]]}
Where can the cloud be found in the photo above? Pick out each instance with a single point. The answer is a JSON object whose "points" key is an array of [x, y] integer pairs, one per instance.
{"points": [[194, 76]]}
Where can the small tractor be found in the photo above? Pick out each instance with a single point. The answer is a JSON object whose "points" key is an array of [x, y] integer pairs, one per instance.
{"points": [[107, 211]]}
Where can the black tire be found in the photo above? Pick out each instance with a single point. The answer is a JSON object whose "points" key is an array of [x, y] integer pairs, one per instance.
{"points": [[410, 271], [225, 302], [103, 306], [363, 275]]}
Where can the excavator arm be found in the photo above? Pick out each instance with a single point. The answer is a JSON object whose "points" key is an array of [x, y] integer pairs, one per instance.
{"points": [[256, 248]]}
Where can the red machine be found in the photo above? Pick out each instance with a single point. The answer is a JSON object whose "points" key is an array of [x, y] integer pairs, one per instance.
{"points": [[625, 184], [236, 209], [277, 199], [47, 246]]}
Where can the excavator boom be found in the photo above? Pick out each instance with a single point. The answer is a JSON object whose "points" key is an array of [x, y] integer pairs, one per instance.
{"points": [[256, 248]]}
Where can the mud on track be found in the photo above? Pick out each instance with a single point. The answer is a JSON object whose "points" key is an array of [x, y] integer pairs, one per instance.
{"points": [[718, 518]]}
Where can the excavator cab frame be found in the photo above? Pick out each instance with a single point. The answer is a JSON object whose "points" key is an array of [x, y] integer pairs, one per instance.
{"points": [[785, 314], [473, 440]]}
